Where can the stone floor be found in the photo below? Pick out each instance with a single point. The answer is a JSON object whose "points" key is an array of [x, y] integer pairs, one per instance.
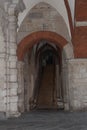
{"points": [[47, 120]]}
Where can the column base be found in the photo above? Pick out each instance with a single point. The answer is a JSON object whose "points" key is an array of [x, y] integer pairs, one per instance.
{"points": [[12, 114]]}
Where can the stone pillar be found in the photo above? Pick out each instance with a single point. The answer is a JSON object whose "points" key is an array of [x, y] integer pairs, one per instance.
{"points": [[67, 54], [2, 71], [21, 86], [57, 81], [12, 71], [65, 85], [77, 78]]}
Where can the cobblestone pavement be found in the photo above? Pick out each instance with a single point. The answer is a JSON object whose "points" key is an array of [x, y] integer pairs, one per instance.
{"points": [[47, 120]]}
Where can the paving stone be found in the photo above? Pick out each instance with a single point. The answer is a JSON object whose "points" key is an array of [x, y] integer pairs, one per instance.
{"points": [[47, 120]]}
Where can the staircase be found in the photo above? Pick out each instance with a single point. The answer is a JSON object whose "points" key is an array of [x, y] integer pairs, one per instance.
{"points": [[46, 96]]}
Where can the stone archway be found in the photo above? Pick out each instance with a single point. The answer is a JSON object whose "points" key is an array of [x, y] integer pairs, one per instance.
{"points": [[33, 39], [46, 92], [47, 89]]}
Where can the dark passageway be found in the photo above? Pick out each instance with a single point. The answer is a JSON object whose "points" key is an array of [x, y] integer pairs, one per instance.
{"points": [[48, 93], [47, 98]]}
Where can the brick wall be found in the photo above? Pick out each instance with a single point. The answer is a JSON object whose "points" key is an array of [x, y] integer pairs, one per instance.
{"points": [[80, 32], [81, 10]]}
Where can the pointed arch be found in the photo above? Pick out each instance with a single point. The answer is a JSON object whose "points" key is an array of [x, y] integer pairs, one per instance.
{"points": [[55, 4], [35, 37]]}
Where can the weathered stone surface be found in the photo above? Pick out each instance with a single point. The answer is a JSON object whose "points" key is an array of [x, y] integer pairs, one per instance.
{"points": [[47, 120], [18, 79], [78, 83], [13, 65], [35, 15], [2, 116], [43, 18]]}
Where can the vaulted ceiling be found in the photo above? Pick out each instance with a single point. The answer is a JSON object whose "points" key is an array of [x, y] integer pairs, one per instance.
{"points": [[59, 5]]}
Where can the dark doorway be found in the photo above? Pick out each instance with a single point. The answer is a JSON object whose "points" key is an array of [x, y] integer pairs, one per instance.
{"points": [[48, 92], [47, 98]]}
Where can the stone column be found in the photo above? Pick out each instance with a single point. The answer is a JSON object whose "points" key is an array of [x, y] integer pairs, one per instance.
{"points": [[2, 63], [12, 71], [65, 85], [21, 86], [57, 80]]}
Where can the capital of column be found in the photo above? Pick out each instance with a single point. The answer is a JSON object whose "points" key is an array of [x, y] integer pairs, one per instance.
{"points": [[15, 7]]}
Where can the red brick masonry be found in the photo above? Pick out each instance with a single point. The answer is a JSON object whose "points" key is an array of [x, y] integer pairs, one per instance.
{"points": [[35, 37]]}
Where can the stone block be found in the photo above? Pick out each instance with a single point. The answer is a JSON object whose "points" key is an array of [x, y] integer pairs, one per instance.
{"points": [[13, 58], [10, 92], [6, 100], [2, 55], [84, 75], [4, 93], [2, 82], [2, 66], [2, 106], [2, 47], [36, 15], [5, 85], [13, 107], [7, 78], [13, 72], [13, 99], [77, 105], [13, 35], [13, 64], [13, 78], [76, 76], [13, 51], [83, 69], [13, 91], [12, 46], [7, 72], [7, 64], [13, 85]]}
